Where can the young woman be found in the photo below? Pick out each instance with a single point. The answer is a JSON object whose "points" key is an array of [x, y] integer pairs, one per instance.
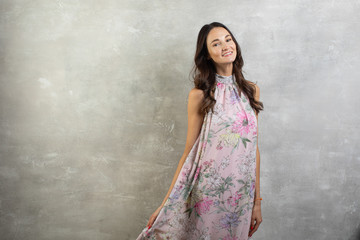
{"points": [[215, 193]]}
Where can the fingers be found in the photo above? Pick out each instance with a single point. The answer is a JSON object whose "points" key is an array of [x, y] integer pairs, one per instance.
{"points": [[253, 227], [151, 220], [252, 230], [149, 225], [252, 223]]}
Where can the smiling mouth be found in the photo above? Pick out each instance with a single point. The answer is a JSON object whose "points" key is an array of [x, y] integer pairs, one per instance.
{"points": [[227, 54]]}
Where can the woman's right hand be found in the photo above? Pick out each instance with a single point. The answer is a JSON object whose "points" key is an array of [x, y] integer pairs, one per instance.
{"points": [[153, 217]]}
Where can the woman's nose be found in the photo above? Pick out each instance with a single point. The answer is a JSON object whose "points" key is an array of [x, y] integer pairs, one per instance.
{"points": [[226, 46]]}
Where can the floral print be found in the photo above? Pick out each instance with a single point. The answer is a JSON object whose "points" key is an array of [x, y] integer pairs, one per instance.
{"points": [[213, 195]]}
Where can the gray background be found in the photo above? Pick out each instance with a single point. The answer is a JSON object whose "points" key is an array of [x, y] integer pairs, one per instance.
{"points": [[93, 112]]}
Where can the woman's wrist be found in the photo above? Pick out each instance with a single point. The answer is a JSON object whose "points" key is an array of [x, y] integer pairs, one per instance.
{"points": [[257, 203], [257, 200]]}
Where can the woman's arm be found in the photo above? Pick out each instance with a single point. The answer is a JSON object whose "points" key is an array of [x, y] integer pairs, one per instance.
{"points": [[256, 212], [195, 121], [257, 181]]}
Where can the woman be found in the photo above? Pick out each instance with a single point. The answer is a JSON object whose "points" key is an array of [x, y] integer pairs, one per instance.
{"points": [[215, 193]]}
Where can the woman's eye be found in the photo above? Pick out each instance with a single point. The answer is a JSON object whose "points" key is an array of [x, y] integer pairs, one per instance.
{"points": [[228, 40]]}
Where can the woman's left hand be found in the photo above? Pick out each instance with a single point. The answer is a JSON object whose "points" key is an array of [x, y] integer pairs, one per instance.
{"points": [[256, 216]]}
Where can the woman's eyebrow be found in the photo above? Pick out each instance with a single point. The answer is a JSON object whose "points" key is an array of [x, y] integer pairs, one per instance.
{"points": [[218, 39]]}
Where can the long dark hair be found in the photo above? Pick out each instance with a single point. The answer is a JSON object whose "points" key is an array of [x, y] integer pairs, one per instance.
{"points": [[204, 72]]}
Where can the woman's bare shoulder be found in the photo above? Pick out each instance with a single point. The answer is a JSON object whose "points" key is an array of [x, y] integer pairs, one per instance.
{"points": [[196, 94], [257, 89]]}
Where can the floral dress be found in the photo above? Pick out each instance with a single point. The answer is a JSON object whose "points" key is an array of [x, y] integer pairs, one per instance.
{"points": [[214, 192]]}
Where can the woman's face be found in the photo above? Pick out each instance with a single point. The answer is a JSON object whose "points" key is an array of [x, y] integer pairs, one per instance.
{"points": [[221, 47]]}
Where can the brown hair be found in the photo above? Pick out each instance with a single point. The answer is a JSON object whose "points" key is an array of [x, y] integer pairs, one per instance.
{"points": [[204, 72]]}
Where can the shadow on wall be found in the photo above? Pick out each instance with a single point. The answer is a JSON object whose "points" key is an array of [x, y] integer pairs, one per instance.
{"points": [[356, 235]]}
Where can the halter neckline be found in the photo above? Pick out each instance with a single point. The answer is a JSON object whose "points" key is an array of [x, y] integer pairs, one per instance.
{"points": [[224, 79]]}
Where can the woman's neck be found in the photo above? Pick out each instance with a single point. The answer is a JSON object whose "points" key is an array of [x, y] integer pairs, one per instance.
{"points": [[225, 70]]}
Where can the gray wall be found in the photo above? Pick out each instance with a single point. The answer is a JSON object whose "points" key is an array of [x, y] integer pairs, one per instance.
{"points": [[93, 112]]}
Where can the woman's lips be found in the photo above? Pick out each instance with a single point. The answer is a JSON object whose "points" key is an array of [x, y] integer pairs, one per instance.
{"points": [[229, 54]]}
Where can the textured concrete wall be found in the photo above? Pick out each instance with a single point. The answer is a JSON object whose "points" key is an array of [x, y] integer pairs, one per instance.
{"points": [[93, 112]]}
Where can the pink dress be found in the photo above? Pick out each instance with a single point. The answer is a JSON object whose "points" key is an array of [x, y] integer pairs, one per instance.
{"points": [[213, 195]]}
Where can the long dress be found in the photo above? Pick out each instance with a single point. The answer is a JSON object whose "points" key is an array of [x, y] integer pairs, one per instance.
{"points": [[213, 195]]}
